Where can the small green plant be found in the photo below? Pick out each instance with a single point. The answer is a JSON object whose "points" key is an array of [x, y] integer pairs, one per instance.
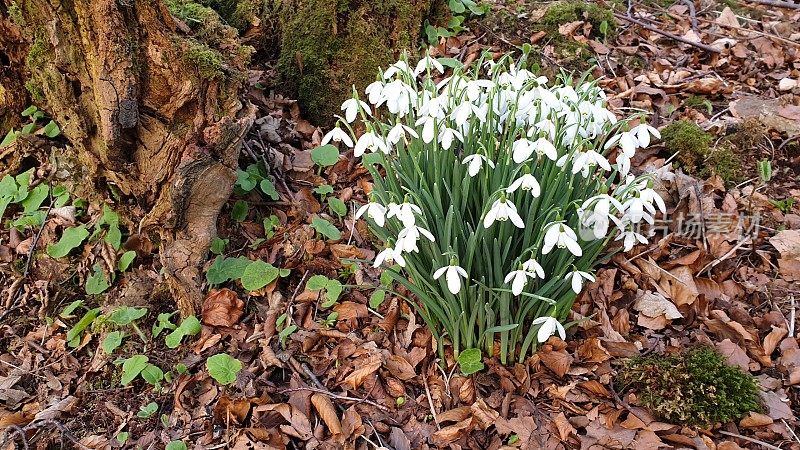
{"points": [[253, 275], [147, 411], [175, 445], [17, 190], [699, 102], [190, 326], [34, 115], [459, 12], [470, 361], [223, 368], [697, 387], [74, 334], [286, 327], [122, 437], [785, 206], [325, 155], [325, 228], [331, 289], [330, 321]]}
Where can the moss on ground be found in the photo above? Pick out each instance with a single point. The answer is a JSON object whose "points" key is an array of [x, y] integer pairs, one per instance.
{"points": [[571, 11], [695, 154], [697, 387], [207, 60]]}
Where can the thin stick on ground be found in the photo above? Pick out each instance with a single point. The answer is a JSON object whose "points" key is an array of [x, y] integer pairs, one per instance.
{"points": [[749, 439], [430, 400], [777, 3], [675, 37]]}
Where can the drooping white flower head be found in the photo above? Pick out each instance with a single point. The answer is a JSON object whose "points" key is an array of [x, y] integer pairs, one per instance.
{"points": [[372, 142], [584, 162], [502, 210], [526, 182], [518, 279], [337, 135], [576, 278], [452, 274], [375, 211], [549, 327], [643, 131], [561, 235], [351, 107], [400, 131], [630, 238], [400, 67], [405, 212], [426, 62], [408, 237], [475, 162], [533, 267], [389, 256]]}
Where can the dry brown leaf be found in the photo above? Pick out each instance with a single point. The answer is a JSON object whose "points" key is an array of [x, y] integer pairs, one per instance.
{"points": [[362, 371], [222, 308], [484, 415], [727, 18], [399, 367], [322, 403], [231, 410], [755, 419], [653, 304], [557, 361], [774, 337], [565, 429], [591, 350], [682, 289], [452, 433], [735, 355]]}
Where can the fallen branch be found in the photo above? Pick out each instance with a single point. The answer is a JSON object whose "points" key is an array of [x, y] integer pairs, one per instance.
{"points": [[754, 441], [777, 3], [675, 37]]}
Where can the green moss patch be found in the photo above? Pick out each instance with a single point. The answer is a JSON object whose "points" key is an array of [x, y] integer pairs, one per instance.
{"points": [[695, 154], [571, 11], [697, 387]]}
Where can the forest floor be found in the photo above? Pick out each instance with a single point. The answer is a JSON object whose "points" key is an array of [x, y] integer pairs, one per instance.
{"points": [[722, 270]]}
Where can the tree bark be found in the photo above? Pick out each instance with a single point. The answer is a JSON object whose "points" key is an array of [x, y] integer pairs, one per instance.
{"points": [[147, 108]]}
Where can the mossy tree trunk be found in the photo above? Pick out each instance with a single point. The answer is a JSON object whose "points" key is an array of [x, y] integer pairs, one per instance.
{"points": [[148, 109], [328, 46]]}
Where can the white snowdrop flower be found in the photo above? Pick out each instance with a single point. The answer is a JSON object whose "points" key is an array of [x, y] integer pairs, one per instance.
{"points": [[546, 126], [576, 278], [549, 327], [428, 128], [533, 267], [426, 62], [398, 67], [434, 107], [630, 238], [502, 210], [399, 97], [446, 136], [623, 164], [518, 279], [405, 212], [475, 162], [408, 237], [462, 113], [372, 142], [543, 147], [452, 274], [389, 256], [374, 92], [337, 135], [651, 196], [637, 209], [600, 215], [351, 107], [585, 161], [526, 182], [375, 211], [560, 235], [643, 131], [521, 150], [398, 132]]}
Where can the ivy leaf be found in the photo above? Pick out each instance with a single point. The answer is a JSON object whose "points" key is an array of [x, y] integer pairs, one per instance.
{"points": [[132, 367], [97, 283], [175, 445], [147, 411], [268, 188], [337, 206], [153, 374], [27, 112], [223, 368], [126, 314], [226, 269], [189, 327], [11, 136], [324, 189], [470, 361], [35, 198], [317, 282], [70, 239], [325, 228], [245, 181], [456, 6], [258, 274], [239, 211], [325, 156], [125, 260], [51, 130], [112, 341], [376, 299]]}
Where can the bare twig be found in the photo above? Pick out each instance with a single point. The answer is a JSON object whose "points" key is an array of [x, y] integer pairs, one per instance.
{"points": [[692, 14], [430, 400], [749, 439], [14, 432], [336, 396], [675, 37], [38, 233], [777, 3]]}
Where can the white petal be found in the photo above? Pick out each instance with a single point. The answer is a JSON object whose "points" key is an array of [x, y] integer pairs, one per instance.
{"points": [[439, 272], [573, 247], [453, 282]]}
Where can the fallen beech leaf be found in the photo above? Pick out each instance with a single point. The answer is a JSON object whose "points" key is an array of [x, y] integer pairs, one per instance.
{"points": [[565, 429], [591, 350], [483, 414], [773, 338], [777, 405], [231, 410], [735, 355], [681, 286], [727, 18], [653, 304], [755, 419], [362, 371], [452, 433], [222, 308], [557, 361], [399, 367], [322, 403], [352, 424]]}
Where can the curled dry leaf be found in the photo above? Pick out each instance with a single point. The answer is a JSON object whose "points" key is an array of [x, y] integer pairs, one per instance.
{"points": [[222, 308], [322, 403], [452, 433], [362, 371]]}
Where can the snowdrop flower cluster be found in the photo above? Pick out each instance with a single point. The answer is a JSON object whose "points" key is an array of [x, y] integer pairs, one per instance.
{"points": [[495, 192]]}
